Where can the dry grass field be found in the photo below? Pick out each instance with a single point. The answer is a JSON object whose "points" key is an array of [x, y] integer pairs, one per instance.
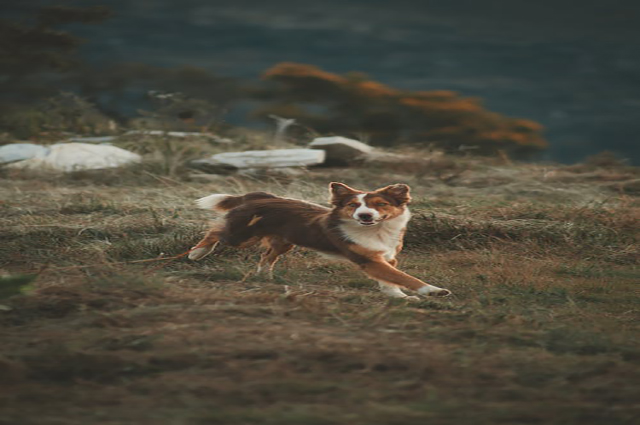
{"points": [[542, 327]]}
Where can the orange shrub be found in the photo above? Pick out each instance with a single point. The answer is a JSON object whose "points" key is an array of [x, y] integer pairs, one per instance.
{"points": [[353, 104]]}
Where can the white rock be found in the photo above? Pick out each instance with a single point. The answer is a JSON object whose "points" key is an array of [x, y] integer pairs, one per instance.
{"points": [[270, 159], [341, 150], [79, 156], [21, 151]]}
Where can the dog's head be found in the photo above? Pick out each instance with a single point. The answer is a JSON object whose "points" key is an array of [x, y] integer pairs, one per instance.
{"points": [[369, 208]]}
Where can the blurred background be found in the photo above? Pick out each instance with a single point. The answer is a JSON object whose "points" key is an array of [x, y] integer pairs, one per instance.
{"points": [[553, 80]]}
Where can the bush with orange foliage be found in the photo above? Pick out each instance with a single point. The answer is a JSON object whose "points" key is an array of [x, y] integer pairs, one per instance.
{"points": [[353, 104]]}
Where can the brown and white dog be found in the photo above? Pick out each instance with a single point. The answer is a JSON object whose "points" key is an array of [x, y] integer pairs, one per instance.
{"points": [[366, 228]]}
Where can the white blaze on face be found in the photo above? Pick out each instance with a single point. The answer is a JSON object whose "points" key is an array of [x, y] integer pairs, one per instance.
{"points": [[364, 209]]}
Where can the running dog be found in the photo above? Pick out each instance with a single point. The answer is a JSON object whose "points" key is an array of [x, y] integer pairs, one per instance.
{"points": [[365, 228]]}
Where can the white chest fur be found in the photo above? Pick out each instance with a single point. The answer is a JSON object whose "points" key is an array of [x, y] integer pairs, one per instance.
{"points": [[383, 237]]}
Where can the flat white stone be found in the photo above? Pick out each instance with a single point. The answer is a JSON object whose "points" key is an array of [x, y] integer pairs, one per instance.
{"points": [[351, 143], [276, 158], [79, 156], [21, 151]]}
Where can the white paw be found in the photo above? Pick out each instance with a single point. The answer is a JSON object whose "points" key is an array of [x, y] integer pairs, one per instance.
{"points": [[440, 293], [391, 290], [434, 291], [200, 253]]}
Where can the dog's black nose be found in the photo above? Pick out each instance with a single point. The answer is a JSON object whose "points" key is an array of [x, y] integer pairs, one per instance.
{"points": [[365, 217]]}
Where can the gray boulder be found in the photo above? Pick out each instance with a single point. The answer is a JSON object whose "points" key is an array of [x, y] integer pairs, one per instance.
{"points": [[341, 150]]}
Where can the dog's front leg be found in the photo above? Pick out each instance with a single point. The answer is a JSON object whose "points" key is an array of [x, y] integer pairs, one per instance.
{"points": [[394, 291], [385, 273]]}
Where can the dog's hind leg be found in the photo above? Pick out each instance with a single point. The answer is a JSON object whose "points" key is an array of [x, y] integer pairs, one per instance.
{"points": [[206, 245], [275, 248]]}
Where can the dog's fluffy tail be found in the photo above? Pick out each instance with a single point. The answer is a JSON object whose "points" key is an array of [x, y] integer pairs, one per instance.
{"points": [[222, 202], [219, 202]]}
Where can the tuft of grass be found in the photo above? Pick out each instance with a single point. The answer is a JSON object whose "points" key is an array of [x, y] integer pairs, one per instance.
{"points": [[107, 290], [619, 243], [82, 204], [597, 271]]}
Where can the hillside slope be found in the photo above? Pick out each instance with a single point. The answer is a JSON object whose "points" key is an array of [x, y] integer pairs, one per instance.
{"points": [[542, 326]]}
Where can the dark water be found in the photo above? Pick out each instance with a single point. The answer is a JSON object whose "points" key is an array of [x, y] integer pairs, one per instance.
{"points": [[572, 65]]}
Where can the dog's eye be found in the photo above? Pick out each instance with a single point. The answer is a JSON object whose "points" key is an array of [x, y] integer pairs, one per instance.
{"points": [[353, 205], [381, 204]]}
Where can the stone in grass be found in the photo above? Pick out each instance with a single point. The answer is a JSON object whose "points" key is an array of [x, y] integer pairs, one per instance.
{"points": [[68, 157], [20, 151], [341, 150], [277, 158]]}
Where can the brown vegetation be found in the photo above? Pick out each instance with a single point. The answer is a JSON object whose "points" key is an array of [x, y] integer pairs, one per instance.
{"points": [[354, 105]]}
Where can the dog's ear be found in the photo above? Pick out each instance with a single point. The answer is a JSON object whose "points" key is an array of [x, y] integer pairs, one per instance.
{"points": [[339, 191], [399, 192]]}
